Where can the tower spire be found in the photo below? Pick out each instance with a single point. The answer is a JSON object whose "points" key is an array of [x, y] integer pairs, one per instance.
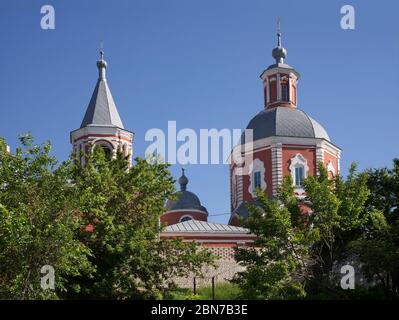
{"points": [[279, 53], [278, 33], [101, 64]]}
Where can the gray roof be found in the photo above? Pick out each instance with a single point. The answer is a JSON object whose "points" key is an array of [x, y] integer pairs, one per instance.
{"points": [[280, 65], [287, 122], [243, 211], [102, 109], [194, 226], [186, 200]]}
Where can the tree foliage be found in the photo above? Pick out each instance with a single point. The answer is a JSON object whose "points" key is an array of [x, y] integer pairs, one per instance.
{"points": [[337, 215], [96, 224], [349, 219], [378, 246], [38, 223], [277, 264]]}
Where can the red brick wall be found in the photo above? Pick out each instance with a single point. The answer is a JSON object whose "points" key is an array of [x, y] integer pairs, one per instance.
{"points": [[266, 157], [307, 152], [169, 218]]}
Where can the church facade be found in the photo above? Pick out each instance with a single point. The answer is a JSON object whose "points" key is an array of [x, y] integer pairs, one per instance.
{"points": [[286, 141]]}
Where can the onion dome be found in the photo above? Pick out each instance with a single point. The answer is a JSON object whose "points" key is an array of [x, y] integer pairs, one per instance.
{"points": [[186, 200]]}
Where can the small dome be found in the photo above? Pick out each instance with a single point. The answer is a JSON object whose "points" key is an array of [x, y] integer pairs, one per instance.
{"points": [[279, 53], [183, 181], [186, 200], [285, 122]]}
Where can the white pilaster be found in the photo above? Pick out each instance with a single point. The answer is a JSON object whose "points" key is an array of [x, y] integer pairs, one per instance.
{"points": [[319, 155], [277, 167]]}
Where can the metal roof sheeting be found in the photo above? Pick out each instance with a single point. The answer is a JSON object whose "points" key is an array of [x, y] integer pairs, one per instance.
{"points": [[286, 122], [102, 109], [195, 226]]}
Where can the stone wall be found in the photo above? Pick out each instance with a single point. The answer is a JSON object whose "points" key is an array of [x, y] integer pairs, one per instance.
{"points": [[226, 268]]}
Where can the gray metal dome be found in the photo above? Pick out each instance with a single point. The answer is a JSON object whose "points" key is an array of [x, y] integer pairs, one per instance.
{"points": [[186, 200], [285, 122]]}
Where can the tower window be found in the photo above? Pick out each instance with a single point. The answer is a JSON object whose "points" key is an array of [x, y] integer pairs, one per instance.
{"points": [[106, 147], [273, 89], [257, 180], [107, 152], [299, 176], [284, 92], [186, 218]]}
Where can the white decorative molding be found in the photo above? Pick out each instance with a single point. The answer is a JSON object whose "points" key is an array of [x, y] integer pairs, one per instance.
{"points": [[293, 141], [299, 161], [277, 167], [234, 190], [186, 216], [240, 191], [319, 155], [190, 210], [257, 165], [331, 168]]}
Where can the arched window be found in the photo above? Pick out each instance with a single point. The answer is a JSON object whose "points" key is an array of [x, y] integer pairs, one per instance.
{"points": [[257, 179], [284, 92], [256, 176], [107, 152], [273, 89], [185, 218], [299, 175], [299, 170], [106, 147]]}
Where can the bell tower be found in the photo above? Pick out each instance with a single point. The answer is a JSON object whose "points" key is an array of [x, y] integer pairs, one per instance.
{"points": [[102, 125], [286, 142], [280, 79]]}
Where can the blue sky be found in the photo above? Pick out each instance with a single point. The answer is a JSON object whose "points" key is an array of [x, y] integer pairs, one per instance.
{"points": [[198, 62]]}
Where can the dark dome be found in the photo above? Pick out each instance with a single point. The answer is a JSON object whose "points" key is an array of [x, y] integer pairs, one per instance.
{"points": [[186, 200], [286, 122]]}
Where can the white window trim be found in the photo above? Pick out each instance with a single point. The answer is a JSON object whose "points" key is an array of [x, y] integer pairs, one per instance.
{"points": [[186, 216], [330, 167], [257, 165], [297, 161]]}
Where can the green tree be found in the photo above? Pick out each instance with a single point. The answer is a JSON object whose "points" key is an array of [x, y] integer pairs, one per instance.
{"points": [[121, 207], [38, 223], [378, 246], [296, 253], [338, 213], [277, 264]]}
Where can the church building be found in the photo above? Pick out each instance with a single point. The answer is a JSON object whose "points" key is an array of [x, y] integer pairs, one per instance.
{"points": [[286, 141]]}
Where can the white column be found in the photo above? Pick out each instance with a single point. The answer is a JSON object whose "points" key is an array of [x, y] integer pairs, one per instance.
{"points": [[278, 87], [319, 155], [267, 90]]}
